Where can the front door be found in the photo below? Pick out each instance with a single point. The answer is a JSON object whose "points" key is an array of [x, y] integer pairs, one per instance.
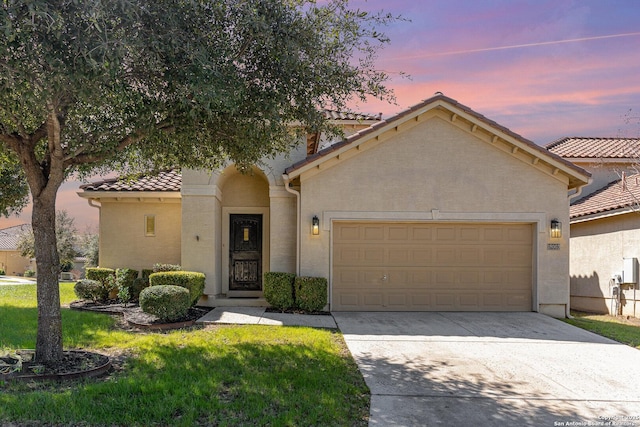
{"points": [[245, 255]]}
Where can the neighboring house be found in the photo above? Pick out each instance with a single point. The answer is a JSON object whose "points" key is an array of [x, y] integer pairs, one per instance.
{"points": [[11, 261], [436, 208], [605, 224]]}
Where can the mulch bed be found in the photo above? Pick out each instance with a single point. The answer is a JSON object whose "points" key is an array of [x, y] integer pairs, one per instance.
{"points": [[134, 316], [20, 365]]}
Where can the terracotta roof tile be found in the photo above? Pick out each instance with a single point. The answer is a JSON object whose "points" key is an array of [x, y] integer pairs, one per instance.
{"points": [[613, 196], [164, 181], [9, 236], [340, 115], [596, 148]]}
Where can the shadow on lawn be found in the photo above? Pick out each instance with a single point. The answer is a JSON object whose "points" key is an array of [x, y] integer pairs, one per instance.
{"points": [[209, 380], [19, 326]]}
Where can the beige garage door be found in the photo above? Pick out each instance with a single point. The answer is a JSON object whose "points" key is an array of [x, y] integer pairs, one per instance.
{"points": [[431, 267]]}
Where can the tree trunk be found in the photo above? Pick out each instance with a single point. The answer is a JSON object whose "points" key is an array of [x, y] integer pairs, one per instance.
{"points": [[43, 221]]}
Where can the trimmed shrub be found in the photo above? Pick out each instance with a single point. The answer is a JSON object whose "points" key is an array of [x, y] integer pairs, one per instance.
{"points": [[146, 272], [278, 289], [99, 274], [191, 280], [158, 268], [106, 276], [138, 285], [311, 293], [124, 282], [169, 303], [2, 273], [90, 289]]}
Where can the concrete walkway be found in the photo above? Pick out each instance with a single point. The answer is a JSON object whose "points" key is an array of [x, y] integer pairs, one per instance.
{"points": [[491, 369], [259, 316], [11, 280]]}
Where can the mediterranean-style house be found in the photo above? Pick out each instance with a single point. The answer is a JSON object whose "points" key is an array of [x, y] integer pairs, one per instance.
{"points": [[11, 260], [436, 208], [605, 224]]}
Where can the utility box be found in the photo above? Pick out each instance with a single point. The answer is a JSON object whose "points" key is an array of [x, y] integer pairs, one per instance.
{"points": [[630, 271]]}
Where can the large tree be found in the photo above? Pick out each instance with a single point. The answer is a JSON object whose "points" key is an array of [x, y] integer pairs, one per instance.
{"points": [[90, 85]]}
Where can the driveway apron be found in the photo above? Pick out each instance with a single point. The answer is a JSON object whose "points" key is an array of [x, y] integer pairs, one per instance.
{"points": [[491, 369]]}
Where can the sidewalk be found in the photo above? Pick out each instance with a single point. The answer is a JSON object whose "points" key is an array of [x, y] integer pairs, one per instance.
{"points": [[10, 280], [259, 316]]}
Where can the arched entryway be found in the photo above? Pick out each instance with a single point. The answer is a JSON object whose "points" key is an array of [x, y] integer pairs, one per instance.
{"points": [[245, 231]]}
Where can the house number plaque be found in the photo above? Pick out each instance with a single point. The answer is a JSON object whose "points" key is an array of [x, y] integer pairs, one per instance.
{"points": [[553, 246]]}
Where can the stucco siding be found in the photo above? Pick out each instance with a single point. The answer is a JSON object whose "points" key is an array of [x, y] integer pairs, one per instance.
{"points": [[201, 238], [436, 169], [14, 264], [123, 243], [598, 248]]}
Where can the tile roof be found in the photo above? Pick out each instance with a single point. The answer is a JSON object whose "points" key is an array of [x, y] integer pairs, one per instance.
{"points": [[9, 236], [340, 115], [622, 193], [596, 148], [164, 181]]}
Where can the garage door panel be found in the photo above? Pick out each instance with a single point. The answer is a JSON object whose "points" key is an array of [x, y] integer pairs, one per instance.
{"points": [[431, 266]]}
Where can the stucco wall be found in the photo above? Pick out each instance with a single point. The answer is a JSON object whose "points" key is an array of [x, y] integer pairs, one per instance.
{"points": [[598, 248], [433, 171], [123, 243], [14, 264]]}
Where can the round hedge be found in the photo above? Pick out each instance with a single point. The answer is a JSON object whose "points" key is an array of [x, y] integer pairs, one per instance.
{"points": [[169, 303]]}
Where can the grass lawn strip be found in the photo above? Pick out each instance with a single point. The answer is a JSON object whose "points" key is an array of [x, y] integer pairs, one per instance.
{"points": [[229, 375], [616, 328]]}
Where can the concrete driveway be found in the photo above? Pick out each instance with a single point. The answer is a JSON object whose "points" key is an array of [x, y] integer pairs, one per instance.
{"points": [[491, 369]]}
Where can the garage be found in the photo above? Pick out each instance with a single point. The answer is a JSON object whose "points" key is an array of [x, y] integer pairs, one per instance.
{"points": [[427, 266]]}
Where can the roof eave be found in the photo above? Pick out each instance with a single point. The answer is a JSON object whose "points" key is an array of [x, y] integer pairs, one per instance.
{"points": [[577, 176]]}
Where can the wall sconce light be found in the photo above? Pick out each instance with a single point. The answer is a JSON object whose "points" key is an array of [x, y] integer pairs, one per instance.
{"points": [[556, 229], [315, 226]]}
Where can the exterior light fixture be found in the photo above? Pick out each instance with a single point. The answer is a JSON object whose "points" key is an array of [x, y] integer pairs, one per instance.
{"points": [[315, 226], [556, 229]]}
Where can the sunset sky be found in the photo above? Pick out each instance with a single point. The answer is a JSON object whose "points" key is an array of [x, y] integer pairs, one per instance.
{"points": [[544, 69]]}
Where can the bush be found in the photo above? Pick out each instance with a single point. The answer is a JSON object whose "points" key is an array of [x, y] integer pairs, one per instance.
{"points": [[124, 282], [158, 268], [138, 285], [278, 289], [2, 273], [169, 303], [145, 275], [29, 273], [311, 293], [90, 289], [191, 280], [106, 276]]}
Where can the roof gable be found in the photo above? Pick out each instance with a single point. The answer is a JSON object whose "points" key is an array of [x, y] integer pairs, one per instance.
{"points": [[458, 115], [624, 149]]}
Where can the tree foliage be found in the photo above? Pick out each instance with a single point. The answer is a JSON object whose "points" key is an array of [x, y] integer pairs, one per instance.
{"points": [[87, 85], [66, 233]]}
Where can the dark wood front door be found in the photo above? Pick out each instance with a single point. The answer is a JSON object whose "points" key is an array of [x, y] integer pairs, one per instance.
{"points": [[245, 254]]}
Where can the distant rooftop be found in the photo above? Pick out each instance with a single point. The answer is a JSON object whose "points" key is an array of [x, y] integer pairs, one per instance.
{"points": [[164, 181], [9, 236], [596, 148], [622, 193]]}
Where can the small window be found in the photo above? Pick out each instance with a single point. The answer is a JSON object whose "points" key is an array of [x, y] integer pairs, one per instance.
{"points": [[149, 225]]}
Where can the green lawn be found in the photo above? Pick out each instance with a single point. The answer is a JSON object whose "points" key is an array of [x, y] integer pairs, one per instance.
{"points": [[235, 375], [608, 326]]}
